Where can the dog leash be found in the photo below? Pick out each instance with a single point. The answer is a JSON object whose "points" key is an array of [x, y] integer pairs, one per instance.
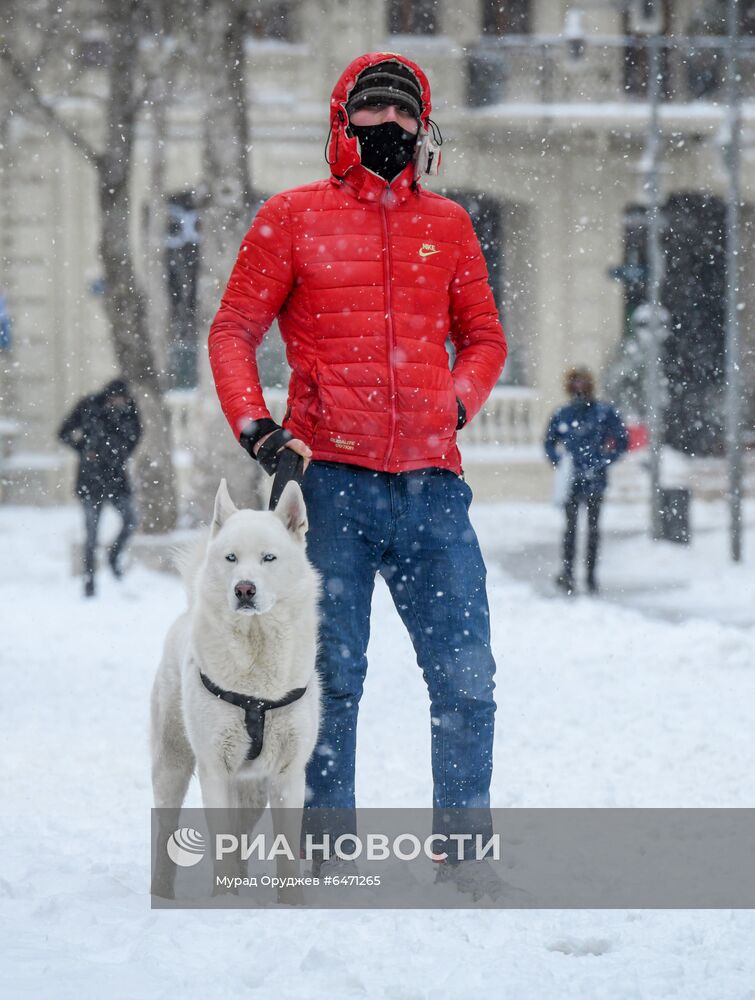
{"points": [[255, 710], [290, 466]]}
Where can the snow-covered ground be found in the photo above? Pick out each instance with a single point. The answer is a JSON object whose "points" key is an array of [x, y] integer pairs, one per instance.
{"points": [[643, 698]]}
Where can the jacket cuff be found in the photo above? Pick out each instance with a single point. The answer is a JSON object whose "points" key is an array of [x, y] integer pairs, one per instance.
{"points": [[468, 394], [255, 430]]}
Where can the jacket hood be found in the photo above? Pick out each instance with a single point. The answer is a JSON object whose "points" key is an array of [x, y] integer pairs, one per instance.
{"points": [[343, 150]]}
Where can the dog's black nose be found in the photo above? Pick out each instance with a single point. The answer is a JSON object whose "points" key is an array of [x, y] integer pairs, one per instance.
{"points": [[245, 590]]}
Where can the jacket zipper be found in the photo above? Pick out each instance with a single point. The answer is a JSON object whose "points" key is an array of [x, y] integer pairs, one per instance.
{"points": [[388, 321]]}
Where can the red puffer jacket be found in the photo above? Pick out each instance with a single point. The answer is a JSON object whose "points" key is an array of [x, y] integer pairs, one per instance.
{"points": [[367, 280]]}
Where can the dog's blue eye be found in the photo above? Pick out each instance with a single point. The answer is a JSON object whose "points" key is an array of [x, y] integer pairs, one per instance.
{"points": [[231, 557], [268, 557]]}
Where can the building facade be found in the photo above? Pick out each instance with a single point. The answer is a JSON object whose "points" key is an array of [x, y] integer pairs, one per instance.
{"points": [[543, 106]]}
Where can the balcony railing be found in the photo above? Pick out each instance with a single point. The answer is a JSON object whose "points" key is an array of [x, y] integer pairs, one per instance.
{"points": [[509, 417], [552, 70]]}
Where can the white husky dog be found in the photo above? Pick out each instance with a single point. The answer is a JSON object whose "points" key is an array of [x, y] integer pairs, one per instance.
{"points": [[236, 692]]}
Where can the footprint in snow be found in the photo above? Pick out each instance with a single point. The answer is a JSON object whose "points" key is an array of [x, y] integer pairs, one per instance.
{"points": [[579, 947]]}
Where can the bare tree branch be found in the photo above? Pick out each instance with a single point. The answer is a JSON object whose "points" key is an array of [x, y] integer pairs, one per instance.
{"points": [[30, 89], [124, 299]]}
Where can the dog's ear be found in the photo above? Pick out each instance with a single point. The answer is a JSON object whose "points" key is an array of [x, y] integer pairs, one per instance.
{"points": [[224, 507], [292, 511]]}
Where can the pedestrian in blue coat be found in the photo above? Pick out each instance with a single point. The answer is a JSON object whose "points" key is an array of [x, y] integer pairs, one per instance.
{"points": [[592, 434]]}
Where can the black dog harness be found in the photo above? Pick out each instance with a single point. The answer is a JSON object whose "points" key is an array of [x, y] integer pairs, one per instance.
{"points": [[254, 711]]}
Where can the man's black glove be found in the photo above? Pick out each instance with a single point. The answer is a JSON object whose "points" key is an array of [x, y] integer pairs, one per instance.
{"points": [[462, 418], [268, 452]]}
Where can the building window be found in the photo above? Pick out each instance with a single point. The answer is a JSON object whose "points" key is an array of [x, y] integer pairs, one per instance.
{"points": [[94, 50], [268, 19], [747, 17], [494, 222], [705, 67], [640, 19], [694, 293], [710, 18], [182, 269], [506, 17], [413, 17]]}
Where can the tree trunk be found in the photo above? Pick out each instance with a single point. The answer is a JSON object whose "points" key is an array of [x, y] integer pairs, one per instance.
{"points": [[159, 97], [125, 301], [226, 216]]}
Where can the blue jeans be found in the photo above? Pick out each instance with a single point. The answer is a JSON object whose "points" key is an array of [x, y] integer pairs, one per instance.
{"points": [[413, 528]]}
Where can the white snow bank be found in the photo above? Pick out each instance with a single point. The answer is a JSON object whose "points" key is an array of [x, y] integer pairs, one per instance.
{"points": [[598, 706]]}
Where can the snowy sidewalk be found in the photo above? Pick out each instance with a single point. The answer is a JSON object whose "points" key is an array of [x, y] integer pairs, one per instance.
{"points": [[663, 580], [598, 705]]}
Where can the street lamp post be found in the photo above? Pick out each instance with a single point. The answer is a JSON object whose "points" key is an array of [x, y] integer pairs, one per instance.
{"points": [[653, 325], [651, 320], [733, 350]]}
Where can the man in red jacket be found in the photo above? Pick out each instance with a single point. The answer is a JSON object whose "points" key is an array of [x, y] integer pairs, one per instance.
{"points": [[368, 275]]}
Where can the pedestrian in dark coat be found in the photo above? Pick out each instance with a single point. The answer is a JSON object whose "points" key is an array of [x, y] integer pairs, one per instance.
{"points": [[593, 435], [104, 429]]}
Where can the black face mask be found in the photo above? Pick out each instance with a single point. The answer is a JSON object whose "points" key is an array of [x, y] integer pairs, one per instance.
{"points": [[385, 149]]}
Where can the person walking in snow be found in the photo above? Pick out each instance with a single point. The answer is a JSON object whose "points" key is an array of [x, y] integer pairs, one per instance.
{"points": [[590, 435], [104, 429], [368, 274]]}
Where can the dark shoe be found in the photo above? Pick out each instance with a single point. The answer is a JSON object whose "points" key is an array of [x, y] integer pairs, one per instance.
{"points": [[592, 585], [113, 559], [565, 582], [89, 587], [475, 878], [334, 866]]}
